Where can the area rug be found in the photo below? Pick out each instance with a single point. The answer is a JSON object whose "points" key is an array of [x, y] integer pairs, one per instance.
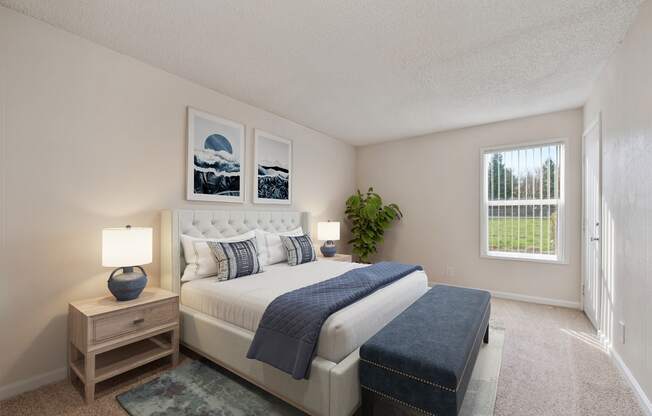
{"points": [[480, 398], [196, 388]]}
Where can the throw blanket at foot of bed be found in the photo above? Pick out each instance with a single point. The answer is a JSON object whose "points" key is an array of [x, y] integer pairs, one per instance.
{"points": [[288, 332], [421, 362]]}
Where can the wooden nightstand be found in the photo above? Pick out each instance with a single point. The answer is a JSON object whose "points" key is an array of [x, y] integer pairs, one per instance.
{"points": [[107, 337], [337, 257]]}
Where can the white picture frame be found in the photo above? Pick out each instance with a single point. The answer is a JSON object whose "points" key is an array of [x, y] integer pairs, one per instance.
{"points": [[273, 175], [219, 145]]}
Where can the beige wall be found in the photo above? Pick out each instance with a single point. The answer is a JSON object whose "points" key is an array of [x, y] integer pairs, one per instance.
{"points": [[435, 179], [90, 139], [623, 94]]}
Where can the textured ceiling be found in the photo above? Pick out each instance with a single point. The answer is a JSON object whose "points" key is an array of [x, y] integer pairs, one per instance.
{"points": [[366, 71]]}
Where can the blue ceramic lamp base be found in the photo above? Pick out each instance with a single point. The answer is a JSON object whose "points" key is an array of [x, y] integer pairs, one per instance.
{"points": [[128, 285], [328, 249]]}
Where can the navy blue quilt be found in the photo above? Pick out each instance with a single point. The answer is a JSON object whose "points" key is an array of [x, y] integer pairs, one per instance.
{"points": [[288, 332]]}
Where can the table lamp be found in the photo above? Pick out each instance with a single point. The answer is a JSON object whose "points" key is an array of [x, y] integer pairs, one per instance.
{"points": [[328, 232], [127, 248]]}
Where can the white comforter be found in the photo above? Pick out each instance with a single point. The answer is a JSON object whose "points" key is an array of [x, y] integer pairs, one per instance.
{"points": [[242, 302]]}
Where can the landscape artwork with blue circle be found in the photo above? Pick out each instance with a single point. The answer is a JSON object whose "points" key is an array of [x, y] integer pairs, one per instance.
{"points": [[215, 158], [273, 164]]}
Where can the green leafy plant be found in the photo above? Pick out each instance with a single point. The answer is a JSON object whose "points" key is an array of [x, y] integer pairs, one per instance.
{"points": [[369, 219]]}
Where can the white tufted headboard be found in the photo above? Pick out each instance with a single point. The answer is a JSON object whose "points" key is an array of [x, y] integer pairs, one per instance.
{"points": [[215, 224]]}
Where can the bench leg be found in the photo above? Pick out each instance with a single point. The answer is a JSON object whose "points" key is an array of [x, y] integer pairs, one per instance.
{"points": [[367, 408], [486, 335]]}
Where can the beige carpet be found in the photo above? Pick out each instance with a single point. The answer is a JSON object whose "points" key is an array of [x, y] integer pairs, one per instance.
{"points": [[551, 366]]}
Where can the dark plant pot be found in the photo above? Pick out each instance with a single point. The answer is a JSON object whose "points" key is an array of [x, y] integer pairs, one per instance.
{"points": [[128, 285]]}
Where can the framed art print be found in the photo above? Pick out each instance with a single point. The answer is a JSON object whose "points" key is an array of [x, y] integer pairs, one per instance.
{"points": [[273, 165], [216, 158]]}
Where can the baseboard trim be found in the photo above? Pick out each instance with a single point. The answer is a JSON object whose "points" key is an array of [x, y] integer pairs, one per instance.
{"points": [[535, 299], [523, 298], [32, 383], [644, 401]]}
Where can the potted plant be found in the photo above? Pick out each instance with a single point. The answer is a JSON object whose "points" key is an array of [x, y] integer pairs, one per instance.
{"points": [[369, 219]]}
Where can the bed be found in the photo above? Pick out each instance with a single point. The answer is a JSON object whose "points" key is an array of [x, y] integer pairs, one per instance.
{"points": [[219, 319]]}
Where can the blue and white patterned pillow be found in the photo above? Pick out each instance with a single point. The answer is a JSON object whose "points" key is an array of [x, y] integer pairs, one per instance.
{"points": [[235, 259], [300, 249]]}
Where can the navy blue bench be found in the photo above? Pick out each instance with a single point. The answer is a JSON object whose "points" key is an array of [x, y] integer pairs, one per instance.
{"points": [[422, 361]]}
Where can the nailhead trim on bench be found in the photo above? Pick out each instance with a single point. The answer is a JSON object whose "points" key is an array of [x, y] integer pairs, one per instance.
{"points": [[399, 401], [408, 375]]}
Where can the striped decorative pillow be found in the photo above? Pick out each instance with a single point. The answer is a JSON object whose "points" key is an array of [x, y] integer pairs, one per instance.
{"points": [[235, 259], [300, 249]]}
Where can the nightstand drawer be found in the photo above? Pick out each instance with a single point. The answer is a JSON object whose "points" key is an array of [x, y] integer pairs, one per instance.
{"points": [[134, 319]]}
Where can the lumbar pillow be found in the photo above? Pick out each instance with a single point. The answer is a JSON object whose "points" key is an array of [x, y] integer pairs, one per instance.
{"points": [[235, 259], [299, 249], [200, 261], [270, 246]]}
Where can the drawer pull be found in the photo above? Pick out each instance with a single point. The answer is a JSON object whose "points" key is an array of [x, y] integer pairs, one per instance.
{"points": [[139, 321]]}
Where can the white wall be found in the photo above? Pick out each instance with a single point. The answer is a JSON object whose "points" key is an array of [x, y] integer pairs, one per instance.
{"points": [[435, 179], [623, 94], [89, 139]]}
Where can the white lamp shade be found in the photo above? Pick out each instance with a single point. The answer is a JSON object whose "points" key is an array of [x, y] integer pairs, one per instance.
{"points": [[328, 231], [126, 247]]}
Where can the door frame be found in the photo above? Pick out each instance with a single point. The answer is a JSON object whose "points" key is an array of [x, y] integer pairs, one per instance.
{"points": [[584, 235]]}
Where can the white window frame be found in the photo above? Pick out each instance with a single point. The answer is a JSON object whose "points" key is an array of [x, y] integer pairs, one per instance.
{"points": [[561, 253]]}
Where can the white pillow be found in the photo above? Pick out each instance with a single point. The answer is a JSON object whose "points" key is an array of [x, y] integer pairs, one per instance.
{"points": [[200, 261], [270, 246]]}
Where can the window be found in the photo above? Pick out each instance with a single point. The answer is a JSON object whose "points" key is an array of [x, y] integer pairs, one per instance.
{"points": [[523, 202]]}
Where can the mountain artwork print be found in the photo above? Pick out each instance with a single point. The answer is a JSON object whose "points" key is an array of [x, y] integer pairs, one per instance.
{"points": [[215, 155], [273, 169]]}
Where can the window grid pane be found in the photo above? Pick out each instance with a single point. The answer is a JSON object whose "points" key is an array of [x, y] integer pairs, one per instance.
{"points": [[522, 200]]}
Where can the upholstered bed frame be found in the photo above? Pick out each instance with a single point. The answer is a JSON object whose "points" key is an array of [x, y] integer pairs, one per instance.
{"points": [[333, 388]]}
